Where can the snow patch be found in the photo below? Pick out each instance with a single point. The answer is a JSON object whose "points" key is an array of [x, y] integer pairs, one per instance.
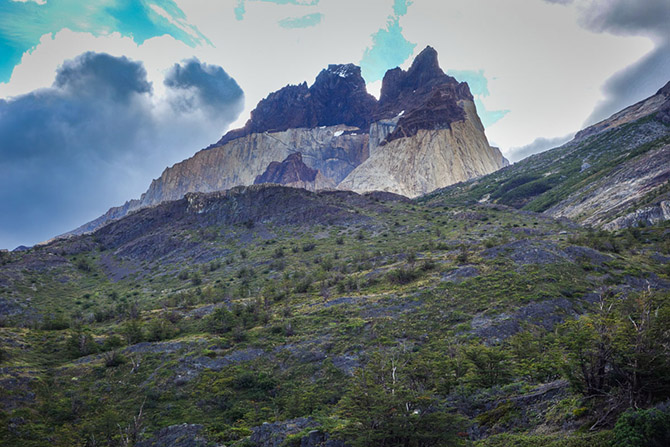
{"points": [[338, 133], [342, 71]]}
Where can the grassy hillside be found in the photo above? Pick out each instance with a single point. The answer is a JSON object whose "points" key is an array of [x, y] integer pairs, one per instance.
{"points": [[560, 181], [372, 319]]}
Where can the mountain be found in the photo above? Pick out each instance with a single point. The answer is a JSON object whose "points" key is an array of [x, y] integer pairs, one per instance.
{"points": [[266, 315], [612, 175], [422, 134]]}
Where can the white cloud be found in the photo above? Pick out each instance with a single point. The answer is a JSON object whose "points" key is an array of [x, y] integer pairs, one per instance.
{"points": [[540, 64], [39, 2]]}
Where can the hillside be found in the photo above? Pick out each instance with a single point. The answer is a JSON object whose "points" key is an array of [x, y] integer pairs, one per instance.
{"points": [[614, 174], [336, 318]]}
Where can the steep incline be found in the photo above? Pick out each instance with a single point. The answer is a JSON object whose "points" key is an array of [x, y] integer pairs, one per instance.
{"points": [[614, 174]]}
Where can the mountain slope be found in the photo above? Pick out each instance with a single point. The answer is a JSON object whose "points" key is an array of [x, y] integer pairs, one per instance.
{"points": [[612, 175], [197, 321]]}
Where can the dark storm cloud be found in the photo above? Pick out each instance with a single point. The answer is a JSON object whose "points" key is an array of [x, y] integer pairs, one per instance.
{"points": [[95, 139], [211, 85], [539, 145], [649, 18], [102, 74]]}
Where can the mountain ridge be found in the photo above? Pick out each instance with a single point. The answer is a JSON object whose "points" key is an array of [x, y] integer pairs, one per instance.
{"points": [[612, 175], [336, 126]]}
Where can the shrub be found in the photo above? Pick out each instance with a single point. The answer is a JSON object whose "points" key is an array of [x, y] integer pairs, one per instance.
{"points": [[132, 332], [113, 359], [402, 276], [643, 428], [160, 329], [220, 321]]}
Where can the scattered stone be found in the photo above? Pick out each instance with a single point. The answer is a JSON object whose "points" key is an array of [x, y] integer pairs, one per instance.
{"points": [[460, 274], [274, 434], [182, 435]]}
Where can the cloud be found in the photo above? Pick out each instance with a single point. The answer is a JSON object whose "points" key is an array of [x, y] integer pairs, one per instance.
{"points": [[204, 85], [479, 87], [301, 22], [102, 74], [389, 47], [540, 64], [651, 19], [539, 145], [22, 24], [97, 136], [39, 2]]}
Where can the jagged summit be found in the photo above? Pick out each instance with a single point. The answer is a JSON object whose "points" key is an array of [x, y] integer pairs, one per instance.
{"points": [[338, 96], [344, 70], [424, 73], [424, 94]]}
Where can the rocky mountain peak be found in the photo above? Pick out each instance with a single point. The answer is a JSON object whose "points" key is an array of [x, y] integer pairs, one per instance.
{"points": [[425, 68], [402, 90], [424, 96], [338, 96], [343, 133], [345, 70]]}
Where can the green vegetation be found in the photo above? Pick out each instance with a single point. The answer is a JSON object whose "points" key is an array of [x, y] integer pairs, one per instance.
{"points": [[418, 324]]}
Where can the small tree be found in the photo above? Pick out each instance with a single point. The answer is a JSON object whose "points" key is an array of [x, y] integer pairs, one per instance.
{"points": [[132, 331], [388, 405]]}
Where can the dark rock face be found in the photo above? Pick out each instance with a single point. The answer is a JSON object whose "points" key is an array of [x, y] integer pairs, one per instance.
{"points": [[664, 111], [425, 93], [428, 97], [291, 170], [338, 96], [273, 435]]}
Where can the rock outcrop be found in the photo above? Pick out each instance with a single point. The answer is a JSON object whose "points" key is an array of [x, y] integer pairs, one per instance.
{"points": [[614, 174], [338, 96], [422, 134], [295, 173], [430, 159], [658, 104]]}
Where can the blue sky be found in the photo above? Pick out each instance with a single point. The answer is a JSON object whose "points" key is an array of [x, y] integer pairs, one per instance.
{"points": [[182, 72]]}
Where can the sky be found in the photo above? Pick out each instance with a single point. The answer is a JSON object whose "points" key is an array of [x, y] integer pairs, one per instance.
{"points": [[98, 97]]}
